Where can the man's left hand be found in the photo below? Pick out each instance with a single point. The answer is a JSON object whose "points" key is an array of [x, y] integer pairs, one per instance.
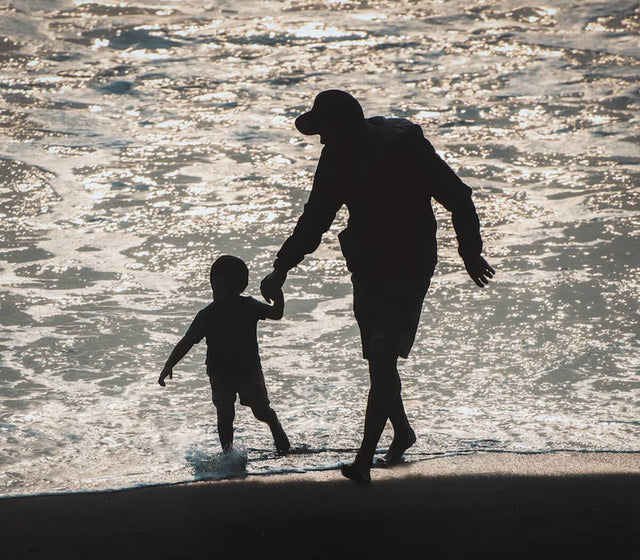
{"points": [[166, 372], [479, 270]]}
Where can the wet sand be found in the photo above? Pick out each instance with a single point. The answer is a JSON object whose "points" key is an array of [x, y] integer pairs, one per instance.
{"points": [[563, 505]]}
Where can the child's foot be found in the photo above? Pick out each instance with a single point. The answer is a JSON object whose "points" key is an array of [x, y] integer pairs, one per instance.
{"points": [[357, 473], [280, 439], [397, 448], [282, 444]]}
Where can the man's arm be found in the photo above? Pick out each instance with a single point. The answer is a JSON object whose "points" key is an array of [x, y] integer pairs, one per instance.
{"points": [[449, 190], [317, 217], [180, 351]]}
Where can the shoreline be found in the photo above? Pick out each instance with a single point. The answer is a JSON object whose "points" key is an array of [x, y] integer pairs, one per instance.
{"points": [[592, 465], [561, 502]]}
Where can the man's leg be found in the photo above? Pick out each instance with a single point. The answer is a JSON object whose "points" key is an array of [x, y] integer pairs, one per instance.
{"points": [[384, 401], [406, 318], [403, 434]]}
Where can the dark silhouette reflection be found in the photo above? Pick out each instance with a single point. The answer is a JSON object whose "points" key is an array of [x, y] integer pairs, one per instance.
{"points": [[233, 362], [386, 172]]}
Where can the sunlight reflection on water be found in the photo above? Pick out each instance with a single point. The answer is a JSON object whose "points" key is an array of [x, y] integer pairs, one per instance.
{"points": [[141, 142]]}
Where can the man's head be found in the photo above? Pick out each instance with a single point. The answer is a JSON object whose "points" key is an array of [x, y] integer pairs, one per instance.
{"points": [[335, 113], [229, 276]]}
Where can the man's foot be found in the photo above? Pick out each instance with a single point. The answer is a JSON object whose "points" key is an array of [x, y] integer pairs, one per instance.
{"points": [[397, 448], [361, 475]]}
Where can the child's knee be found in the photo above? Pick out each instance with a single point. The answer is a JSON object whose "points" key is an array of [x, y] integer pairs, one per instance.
{"points": [[263, 412]]}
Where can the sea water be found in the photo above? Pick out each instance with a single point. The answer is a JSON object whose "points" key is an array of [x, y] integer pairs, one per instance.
{"points": [[140, 140]]}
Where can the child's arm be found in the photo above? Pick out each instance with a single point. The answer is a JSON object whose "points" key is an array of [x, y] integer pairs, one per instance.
{"points": [[179, 352], [276, 311]]}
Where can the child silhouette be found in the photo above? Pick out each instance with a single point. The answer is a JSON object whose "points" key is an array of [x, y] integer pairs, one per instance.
{"points": [[229, 325]]}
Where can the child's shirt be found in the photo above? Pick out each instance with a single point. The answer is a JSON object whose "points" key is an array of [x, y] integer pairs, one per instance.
{"points": [[230, 328]]}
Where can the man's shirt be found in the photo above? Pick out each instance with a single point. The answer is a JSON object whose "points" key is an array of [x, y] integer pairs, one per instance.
{"points": [[387, 183]]}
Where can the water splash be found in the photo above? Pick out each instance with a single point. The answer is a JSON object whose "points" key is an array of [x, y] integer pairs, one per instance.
{"points": [[214, 466]]}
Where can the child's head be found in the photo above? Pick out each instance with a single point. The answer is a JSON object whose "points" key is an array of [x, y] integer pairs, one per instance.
{"points": [[229, 276]]}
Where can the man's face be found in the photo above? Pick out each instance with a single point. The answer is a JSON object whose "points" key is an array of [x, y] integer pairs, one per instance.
{"points": [[331, 136], [334, 133], [341, 134]]}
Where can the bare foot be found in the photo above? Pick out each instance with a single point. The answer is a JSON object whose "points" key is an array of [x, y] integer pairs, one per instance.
{"points": [[357, 473], [280, 438], [397, 448], [283, 445]]}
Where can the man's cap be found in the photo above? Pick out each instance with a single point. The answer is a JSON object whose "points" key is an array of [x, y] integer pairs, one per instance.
{"points": [[233, 268], [331, 107]]}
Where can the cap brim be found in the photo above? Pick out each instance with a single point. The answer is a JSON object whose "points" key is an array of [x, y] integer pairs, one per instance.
{"points": [[306, 123]]}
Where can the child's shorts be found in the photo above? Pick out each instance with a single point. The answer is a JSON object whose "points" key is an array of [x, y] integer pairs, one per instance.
{"points": [[388, 314], [251, 388]]}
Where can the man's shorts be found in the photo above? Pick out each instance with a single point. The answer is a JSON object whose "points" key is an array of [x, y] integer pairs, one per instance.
{"points": [[388, 314], [250, 387]]}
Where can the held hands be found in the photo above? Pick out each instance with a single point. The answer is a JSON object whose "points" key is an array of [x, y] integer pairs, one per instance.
{"points": [[479, 270], [166, 372], [271, 285], [277, 295]]}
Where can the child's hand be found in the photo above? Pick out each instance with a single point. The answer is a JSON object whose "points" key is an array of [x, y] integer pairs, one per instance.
{"points": [[166, 372], [276, 311], [272, 283]]}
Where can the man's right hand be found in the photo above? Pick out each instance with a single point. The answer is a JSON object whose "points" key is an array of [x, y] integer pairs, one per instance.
{"points": [[271, 285]]}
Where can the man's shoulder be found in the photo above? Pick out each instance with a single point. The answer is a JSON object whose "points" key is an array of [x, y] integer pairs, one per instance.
{"points": [[394, 124], [391, 130]]}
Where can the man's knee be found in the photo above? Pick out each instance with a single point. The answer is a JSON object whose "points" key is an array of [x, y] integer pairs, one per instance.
{"points": [[383, 360], [383, 371], [382, 347]]}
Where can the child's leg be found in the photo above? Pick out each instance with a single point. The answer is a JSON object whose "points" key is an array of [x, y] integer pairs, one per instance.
{"points": [[224, 398], [226, 413], [265, 413]]}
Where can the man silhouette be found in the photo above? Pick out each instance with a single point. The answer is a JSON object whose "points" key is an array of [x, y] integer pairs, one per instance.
{"points": [[386, 172]]}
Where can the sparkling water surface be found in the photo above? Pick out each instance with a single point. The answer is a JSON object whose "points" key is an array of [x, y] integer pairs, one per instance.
{"points": [[140, 140]]}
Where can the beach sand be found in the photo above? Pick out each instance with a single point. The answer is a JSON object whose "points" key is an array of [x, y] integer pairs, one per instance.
{"points": [[558, 505]]}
